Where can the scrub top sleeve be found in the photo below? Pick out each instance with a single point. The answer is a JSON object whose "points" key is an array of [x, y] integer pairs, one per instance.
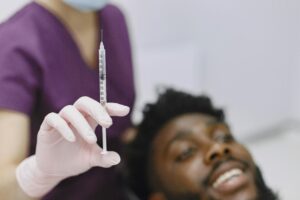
{"points": [[18, 80]]}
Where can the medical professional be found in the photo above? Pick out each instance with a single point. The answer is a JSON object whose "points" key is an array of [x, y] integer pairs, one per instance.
{"points": [[49, 100]]}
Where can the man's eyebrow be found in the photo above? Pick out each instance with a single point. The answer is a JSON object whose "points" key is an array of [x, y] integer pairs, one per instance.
{"points": [[179, 135], [186, 133], [213, 122]]}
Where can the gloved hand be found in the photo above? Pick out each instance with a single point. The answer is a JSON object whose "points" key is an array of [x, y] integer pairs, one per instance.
{"points": [[66, 145]]}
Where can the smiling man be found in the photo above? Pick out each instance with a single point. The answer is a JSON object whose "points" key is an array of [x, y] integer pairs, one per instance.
{"points": [[184, 150]]}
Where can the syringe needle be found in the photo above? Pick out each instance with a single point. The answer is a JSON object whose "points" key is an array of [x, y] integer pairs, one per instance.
{"points": [[104, 144], [101, 35]]}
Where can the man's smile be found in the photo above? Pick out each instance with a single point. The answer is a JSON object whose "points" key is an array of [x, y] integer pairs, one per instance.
{"points": [[228, 177]]}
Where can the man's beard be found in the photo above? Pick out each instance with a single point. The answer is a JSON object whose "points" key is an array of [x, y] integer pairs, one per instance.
{"points": [[263, 191]]}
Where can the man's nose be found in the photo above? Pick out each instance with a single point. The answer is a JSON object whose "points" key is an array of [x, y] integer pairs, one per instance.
{"points": [[216, 151]]}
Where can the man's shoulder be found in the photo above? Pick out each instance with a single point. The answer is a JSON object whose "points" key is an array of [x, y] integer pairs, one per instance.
{"points": [[112, 11]]}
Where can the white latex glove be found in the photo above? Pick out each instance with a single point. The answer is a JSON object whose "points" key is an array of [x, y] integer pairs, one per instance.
{"points": [[66, 146]]}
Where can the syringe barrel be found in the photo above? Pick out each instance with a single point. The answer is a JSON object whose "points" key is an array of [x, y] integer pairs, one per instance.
{"points": [[102, 74]]}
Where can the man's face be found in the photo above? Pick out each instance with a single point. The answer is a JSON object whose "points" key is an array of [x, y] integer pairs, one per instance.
{"points": [[196, 157]]}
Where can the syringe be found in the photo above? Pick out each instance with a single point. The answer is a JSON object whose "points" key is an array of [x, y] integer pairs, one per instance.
{"points": [[102, 86]]}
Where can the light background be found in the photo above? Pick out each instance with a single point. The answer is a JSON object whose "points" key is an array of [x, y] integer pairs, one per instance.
{"points": [[244, 54]]}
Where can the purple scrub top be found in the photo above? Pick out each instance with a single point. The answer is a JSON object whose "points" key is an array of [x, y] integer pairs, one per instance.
{"points": [[41, 71]]}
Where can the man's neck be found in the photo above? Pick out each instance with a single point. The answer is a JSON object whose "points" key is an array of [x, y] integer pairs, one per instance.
{"points": [[75, 20]]}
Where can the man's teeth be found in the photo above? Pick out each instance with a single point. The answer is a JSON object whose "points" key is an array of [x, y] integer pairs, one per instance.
{"points": [[226, 176]]}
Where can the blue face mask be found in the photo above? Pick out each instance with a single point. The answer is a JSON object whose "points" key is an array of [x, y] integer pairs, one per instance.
{"points": [[86, 5]]}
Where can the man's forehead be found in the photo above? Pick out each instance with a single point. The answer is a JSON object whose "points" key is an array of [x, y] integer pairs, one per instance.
{"points": [[184, 124], [193, 118]]}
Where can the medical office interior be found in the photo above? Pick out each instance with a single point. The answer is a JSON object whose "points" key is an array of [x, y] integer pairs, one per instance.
{"points": [[243, 54]]}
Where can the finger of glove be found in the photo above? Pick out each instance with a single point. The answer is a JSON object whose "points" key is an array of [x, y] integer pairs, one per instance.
{"points": [[115, 109], [106, 160], [54, 121], [76, 119], [91, 121], [95, 110]]}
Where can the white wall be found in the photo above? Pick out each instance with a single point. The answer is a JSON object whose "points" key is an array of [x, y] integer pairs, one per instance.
{"points": [[296, 65], [7, 8], [248, 47], [296, 86], [245, 52]]}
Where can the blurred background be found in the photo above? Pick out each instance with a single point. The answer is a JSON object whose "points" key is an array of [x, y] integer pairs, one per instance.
{"points": [[243, 54]]}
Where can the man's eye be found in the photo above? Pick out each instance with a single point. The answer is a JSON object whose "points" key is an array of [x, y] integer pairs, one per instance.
{"points": [[185, 154]]}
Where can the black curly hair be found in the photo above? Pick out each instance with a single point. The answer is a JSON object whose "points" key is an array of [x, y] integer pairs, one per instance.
{"points": [[170, 104]]}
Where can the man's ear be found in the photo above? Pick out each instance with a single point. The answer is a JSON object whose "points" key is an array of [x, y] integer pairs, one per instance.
{"points": [[157, 196]]}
